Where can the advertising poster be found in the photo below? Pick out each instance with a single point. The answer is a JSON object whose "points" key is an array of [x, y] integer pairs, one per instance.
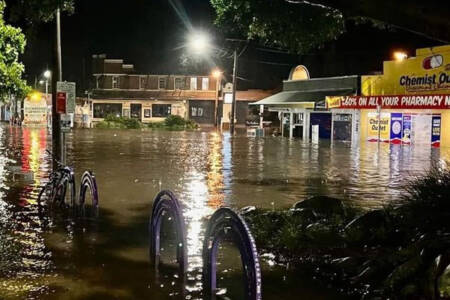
{"points": [[385, 127], [421, 129], [396, 128], [406, 129], [383, 131], [436, 131], [372, 129]]}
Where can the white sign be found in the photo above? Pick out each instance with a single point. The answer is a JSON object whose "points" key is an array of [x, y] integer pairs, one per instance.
{"points": [[35, 112], [315, 133], [70, 89], [65, 122], [228, 98]]}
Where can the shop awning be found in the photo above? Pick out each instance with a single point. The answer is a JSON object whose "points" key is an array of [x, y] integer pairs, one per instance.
{"points": [[303, 98]]}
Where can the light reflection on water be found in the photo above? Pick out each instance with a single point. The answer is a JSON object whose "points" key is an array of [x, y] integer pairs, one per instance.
{"points": [[205, 169]]}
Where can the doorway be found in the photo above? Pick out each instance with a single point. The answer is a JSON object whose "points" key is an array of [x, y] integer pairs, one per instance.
{"points": [[136, 111]]}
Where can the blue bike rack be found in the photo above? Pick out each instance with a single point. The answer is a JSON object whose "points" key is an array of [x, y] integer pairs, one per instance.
{"points": [[166, 203], [225, 224]]}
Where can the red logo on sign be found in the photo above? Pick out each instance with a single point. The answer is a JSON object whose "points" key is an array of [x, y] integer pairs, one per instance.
{"points": [[61, 103], [432, 62]]}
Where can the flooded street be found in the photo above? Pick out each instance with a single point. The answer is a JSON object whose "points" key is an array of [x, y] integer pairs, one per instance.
{"points": [[55, 256]]}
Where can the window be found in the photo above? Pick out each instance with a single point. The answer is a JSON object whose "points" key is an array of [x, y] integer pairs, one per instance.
{"points": [[197, 111], [205, 83], [115, 82], [147, 113], [142, 82], [161, 110], [97, 82], [179, 83], [162, 83], [193, 83], [101, 110]]}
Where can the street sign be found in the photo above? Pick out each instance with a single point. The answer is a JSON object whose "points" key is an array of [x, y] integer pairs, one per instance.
{"points": [[70, 89], [65, 123], [61, 102]]}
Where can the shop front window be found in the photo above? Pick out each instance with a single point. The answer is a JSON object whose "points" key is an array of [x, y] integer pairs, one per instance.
{"points": [[101, 110], [161, 110]]}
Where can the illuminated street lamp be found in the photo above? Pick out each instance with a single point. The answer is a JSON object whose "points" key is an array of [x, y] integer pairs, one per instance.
{"points": [[400, 55], [200, 43], [217, 74], [47, 76]]}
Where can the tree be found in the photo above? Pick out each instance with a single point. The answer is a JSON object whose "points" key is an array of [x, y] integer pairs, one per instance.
{"points": [[38, 10], [12, 44], [298, 27]]}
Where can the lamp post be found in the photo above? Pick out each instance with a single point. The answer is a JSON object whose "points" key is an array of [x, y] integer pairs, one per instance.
{"points": [[217, 74], [199, 43], [47, 76]]}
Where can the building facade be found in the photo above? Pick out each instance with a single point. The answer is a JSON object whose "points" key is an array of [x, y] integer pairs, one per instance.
{"points": [[408, 104], [120, 92]]}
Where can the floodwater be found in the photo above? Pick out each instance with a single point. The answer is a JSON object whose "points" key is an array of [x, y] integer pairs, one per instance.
{"points": [[58, 256]]}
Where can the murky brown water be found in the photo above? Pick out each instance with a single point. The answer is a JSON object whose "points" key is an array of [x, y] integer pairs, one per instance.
{"points": [[57, 257]]}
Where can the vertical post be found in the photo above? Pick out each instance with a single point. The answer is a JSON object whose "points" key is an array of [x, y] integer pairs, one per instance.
{"points": [[216, 103], [379, 123], [261, 116], [233, 104], [57, 71]]}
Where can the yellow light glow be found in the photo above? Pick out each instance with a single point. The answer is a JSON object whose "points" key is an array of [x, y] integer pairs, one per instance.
{"points": [[400, 55], [216, 73], [35, 96]]}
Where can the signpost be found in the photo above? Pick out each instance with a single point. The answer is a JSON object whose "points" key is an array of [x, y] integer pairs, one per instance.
{"points": [[66, 93]]}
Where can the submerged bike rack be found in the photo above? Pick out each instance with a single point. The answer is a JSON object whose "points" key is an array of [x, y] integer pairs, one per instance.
{"points": [[166, 203], [88, 181], [224, 224]]}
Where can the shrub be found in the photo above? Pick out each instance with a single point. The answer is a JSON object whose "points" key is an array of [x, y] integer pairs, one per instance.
{"points": [[174, 120]]}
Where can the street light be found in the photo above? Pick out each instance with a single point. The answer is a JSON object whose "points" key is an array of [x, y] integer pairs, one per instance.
{"points": [[199, 43], [217, 74], [47, 76], [400, 55]]}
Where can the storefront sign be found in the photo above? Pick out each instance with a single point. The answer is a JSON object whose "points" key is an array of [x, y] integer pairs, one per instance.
{"points": [[35, 111], [391, 102], [436, 131]]}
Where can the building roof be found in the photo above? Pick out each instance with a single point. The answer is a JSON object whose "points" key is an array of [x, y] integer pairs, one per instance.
{"points": [[155, 94], [253, 95], [295, 97], [313, 90]]}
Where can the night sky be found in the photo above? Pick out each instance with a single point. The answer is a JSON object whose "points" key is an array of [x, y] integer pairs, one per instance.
{"points": [[149, 34]]}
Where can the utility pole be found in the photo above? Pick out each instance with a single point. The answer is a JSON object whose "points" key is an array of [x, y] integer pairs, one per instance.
{"points": [[233, 103], [57, 71]]}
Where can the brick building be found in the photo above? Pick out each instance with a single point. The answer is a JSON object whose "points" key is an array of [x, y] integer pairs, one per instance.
{"points": [[119, 91]]}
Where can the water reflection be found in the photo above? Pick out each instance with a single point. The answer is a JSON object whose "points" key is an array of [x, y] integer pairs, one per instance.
{"points": [[205, 169]]}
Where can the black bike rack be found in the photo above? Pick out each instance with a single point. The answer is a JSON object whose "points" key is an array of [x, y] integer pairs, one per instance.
{"points": [[166, 203], [224, 224]]}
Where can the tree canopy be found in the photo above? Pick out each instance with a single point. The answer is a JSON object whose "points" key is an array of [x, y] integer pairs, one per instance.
{"points": [[12, 44], [38, 10], [298, 27]]}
